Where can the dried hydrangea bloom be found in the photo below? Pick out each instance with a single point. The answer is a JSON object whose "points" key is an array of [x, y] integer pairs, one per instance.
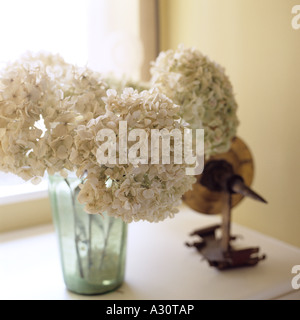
{"points": [[42, 100], [132, 192], [22, 93], [82, 86], [202, 90]]}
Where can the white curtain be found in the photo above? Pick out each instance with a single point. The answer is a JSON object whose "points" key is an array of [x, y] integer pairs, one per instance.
{"points": [[123, 36]]}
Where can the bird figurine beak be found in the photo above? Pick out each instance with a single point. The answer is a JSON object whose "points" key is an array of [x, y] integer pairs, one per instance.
{"points": [[237, 185]]}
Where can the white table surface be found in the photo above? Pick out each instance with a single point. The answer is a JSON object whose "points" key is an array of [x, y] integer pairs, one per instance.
{"points": [[159, 266]]}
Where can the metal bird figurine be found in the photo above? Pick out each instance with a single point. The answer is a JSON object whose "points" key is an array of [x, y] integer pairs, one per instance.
{"points": [[223, 183]]}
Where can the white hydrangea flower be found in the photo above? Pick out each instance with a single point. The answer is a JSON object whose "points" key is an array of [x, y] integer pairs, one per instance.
{"points": [[42, 100], [202, 90], [132, 192]]}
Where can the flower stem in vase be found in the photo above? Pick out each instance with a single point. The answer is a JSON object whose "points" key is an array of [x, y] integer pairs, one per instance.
{"points": [[90, 218], [106, 237], [76, 225]]}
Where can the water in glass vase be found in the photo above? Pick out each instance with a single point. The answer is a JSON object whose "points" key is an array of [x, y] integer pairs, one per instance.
{"points": [[92, 247]]}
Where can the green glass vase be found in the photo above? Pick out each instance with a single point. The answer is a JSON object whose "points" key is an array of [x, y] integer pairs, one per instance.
{"points": [[92, 247]]}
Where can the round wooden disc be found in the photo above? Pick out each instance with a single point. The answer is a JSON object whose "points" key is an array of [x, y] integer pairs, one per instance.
{"points": [[208, 202]]}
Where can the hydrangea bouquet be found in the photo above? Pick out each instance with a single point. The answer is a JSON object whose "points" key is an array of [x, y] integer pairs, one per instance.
{"points": [[51, 117]]}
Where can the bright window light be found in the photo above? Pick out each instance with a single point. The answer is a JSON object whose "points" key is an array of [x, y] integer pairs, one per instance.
{"points": [[57, 26]]}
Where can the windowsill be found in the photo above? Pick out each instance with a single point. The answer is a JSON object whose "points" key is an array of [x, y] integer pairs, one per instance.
{"points": [[24, 205], [22, 192]]}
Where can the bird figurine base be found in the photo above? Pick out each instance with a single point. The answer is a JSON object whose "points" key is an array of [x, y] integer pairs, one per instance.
{"points": [[210, 247]]}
